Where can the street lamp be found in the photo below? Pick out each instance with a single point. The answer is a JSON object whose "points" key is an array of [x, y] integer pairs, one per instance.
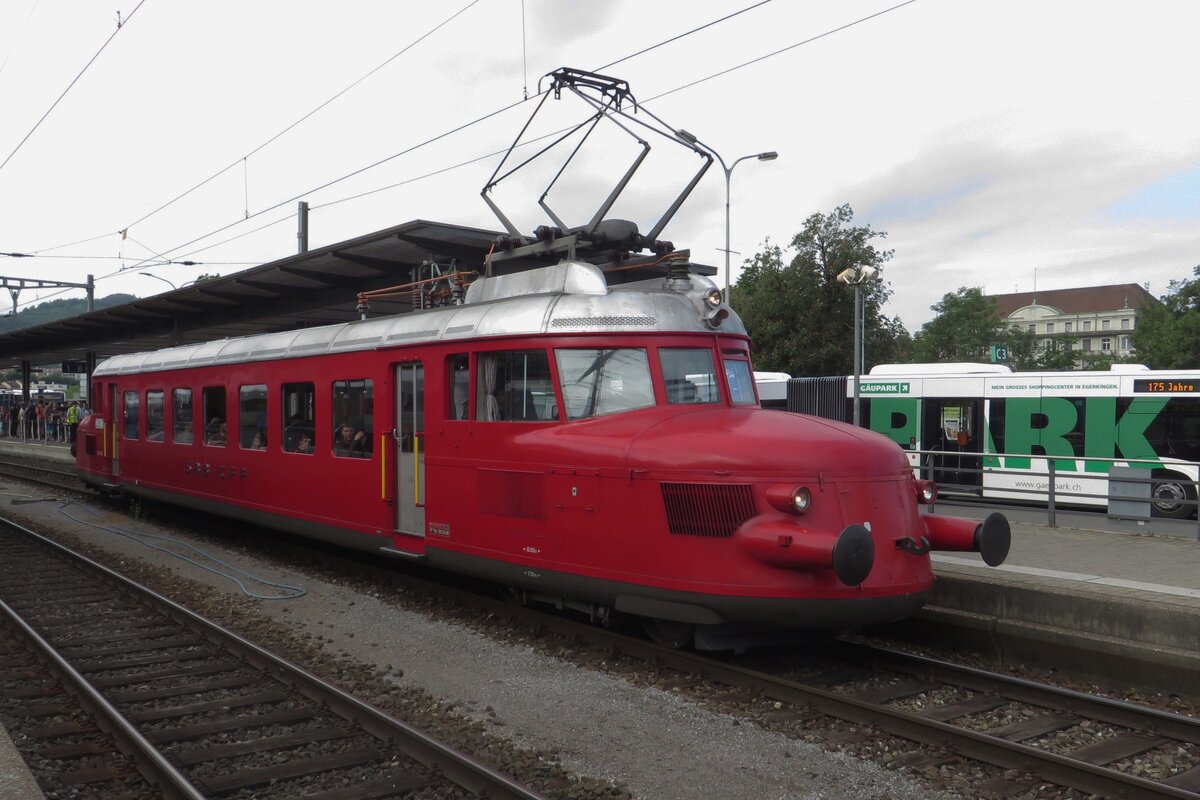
{"points": [[855, 276], [164, 280], [183, 285], [769, 155]]}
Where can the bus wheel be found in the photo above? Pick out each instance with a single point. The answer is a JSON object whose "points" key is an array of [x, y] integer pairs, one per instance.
{"points": [[1173, 499]]}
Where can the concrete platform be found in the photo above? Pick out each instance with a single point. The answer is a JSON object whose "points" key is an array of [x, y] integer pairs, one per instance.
{"points": [[1120, 607], [16, 781], [50, 451]]}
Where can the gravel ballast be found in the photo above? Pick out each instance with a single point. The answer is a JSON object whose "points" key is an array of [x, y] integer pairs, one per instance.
{"points": [[625, 739]]}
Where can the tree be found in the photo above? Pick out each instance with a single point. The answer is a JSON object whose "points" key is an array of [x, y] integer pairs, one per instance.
{"points": [[966, 326], [800, 317], [1168, 335]]}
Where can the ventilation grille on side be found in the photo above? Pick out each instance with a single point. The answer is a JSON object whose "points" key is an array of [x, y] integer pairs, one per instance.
{"points": [[707, 509], [512, 494]]}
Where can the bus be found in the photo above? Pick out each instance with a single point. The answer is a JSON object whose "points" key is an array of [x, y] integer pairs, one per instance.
{"points": [[772, 389], [992, 432]]}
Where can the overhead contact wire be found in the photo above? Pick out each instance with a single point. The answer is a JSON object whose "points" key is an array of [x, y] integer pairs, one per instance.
{"points": [[74, 80], [218, 174]]}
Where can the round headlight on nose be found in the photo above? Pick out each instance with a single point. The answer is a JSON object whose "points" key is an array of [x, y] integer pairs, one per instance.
{"points": [[926, 492], [790, 498], [713, 298]]}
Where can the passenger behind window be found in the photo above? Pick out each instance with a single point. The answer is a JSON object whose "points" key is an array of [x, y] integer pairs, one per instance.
{"points": [[351, 443], [295, 428], [305, 444], [260, 441]]}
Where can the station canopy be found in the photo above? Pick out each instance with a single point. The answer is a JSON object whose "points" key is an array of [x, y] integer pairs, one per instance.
{"points": [[318, 287]]}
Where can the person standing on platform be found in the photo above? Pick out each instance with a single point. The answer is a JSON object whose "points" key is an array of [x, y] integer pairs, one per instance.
{"points": [[72, 421]]}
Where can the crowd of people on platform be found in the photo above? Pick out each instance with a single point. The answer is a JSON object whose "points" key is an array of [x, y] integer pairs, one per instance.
{"points": [[42, 420]]}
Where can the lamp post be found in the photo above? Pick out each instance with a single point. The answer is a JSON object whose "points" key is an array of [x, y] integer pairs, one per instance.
{"points": [[855, 276], [183, 285], [769, 155], [164, 280]]}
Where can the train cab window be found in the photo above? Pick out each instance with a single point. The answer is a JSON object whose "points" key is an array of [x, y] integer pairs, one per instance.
{"points": [[514, 386], [181, 416], [252, 417], [132, 410], [741, 381], [215, 430], [299, 416], [459, 389], [596, 382], [689, 375], [155, 419], [353, 418]]}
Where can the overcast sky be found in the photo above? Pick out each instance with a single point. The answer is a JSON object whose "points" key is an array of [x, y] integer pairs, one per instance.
{"points": [[997, 143]]}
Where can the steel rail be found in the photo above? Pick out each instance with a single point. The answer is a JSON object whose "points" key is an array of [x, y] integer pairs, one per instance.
{"points": [[1104, 709], [982, 747], [151, 763], [459, 767]]}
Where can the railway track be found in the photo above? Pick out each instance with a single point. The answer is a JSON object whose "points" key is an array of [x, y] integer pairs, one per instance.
{"points": [[39, 472], [196, 710], [1046, 734], [1034, 733]]}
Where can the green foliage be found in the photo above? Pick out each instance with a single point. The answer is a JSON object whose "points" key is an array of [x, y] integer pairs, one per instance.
{"points": [[800, 317], [966, 326], [1168, 336], [53, 310]]}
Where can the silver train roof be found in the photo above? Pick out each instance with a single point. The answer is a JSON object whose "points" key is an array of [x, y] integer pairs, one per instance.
{"points": [[570, 297]]}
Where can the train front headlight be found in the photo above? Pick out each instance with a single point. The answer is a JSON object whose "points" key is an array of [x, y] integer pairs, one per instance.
{"points": [[713, 298], [790, 498], [927, 492]]}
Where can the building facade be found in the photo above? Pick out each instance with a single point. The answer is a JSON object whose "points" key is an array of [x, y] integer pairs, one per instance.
{"points": [[1093, 320]]}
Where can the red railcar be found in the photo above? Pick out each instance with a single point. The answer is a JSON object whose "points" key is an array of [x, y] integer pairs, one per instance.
{"points": [[601, 446]]}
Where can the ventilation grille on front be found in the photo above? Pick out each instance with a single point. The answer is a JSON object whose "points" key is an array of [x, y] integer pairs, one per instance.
{"points": [[512, 494], [707, 509]]}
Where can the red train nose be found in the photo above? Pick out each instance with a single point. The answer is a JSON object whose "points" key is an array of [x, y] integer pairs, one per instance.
{"points": [[990, 538], [782, 543]]}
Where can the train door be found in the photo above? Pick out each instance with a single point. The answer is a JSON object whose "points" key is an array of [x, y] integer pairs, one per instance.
{"points": [[109, 448], [410, 449], [952, 427]]}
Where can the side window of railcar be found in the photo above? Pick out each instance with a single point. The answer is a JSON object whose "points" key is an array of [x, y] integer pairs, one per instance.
{"points": [[353, 418], [155, 420], [132, 408], [515, 386], [741, 381], [689, 375], [252, 417], [459, 386], [181, 416], [596, 381], [215, 429], [299, 418]]}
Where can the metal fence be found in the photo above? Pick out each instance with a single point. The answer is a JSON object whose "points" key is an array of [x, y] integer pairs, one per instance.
{"points": [[962, 474]]}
